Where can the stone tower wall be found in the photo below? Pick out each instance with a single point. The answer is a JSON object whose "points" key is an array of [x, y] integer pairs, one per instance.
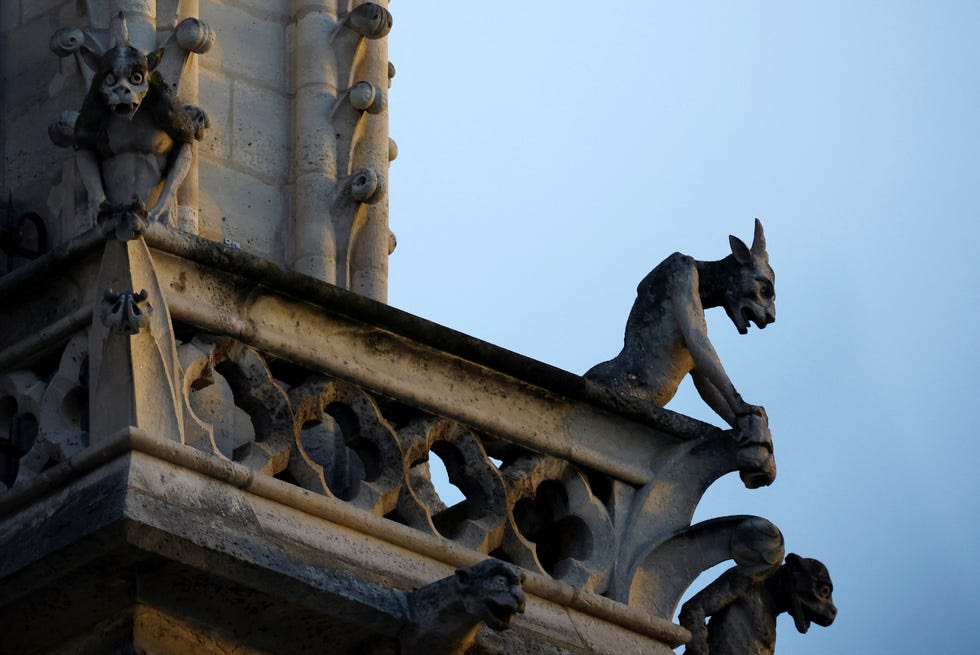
{"points": [[294, 165]]}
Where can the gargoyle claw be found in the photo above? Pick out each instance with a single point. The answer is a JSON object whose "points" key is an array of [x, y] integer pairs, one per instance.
{"points": [[130, 219]]}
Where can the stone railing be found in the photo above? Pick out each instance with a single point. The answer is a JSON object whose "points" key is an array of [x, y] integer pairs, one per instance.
{"points": [[200, 344]]}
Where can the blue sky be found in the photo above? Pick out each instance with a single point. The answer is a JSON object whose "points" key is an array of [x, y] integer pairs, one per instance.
{"points": [[552, 153]]}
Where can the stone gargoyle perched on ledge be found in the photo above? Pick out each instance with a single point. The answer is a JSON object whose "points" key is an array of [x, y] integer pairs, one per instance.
{"points": [[132, 136], [743, 606], [667, 338]]}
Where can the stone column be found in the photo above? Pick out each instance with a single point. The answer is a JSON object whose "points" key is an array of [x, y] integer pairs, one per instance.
{"points": [[188, 203], [340, 144], [372, 240]]}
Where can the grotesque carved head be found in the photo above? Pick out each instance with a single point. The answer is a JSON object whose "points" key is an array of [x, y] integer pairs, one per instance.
{"points": [[122, 78], [491, 592], [810, 592], [751, 294]]}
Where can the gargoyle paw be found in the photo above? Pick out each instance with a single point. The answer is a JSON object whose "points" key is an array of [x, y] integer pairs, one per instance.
{"points": [[160, 213]]}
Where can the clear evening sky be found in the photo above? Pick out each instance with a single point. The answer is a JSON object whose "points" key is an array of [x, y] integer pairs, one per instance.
{"points": [[551, 153]]}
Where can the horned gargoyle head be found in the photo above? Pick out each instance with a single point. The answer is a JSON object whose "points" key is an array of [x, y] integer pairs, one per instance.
{"points": [[122, 73], [750, 294]]}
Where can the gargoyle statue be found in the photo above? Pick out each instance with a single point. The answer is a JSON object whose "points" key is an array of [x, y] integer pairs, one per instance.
{"points": [[667, 337], [743, 607], [132, 137], [445, 616]]}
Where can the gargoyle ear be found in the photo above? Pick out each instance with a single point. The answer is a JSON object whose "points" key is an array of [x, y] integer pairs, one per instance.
{"points": [[794, 561], [758, 240], [153, 59], [741, 251]]}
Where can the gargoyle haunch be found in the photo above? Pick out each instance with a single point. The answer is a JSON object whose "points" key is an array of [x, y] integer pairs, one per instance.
{"points": [[132, 137], [667, 336]]}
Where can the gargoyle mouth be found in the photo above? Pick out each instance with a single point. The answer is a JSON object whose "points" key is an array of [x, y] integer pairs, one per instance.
{"points": [[801, 621], [501, 614], [803, 618], [125, 109], [749, 314]]}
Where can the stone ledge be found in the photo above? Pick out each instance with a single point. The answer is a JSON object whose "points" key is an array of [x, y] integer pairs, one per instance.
{"points": [[264, 273], [259, 527]]}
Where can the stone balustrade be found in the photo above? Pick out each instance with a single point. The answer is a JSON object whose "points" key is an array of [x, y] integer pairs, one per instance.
{"points": [[318, 388]]}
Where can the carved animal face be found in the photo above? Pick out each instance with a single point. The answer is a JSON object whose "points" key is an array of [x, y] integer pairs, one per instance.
{"points": [[492, 592], [751, 295], [811, 593], [123, 78]]}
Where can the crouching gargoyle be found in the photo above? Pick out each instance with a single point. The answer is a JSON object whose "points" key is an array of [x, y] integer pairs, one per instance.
{"points": [[667, 338], [743, 607], [132, 136], [445, 616]]}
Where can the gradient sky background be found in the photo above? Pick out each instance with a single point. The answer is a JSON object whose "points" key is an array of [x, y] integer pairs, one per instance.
{"points": [[552, 153]]}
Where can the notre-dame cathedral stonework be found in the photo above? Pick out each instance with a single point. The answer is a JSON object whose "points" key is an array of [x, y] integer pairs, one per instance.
{"points": [[215, 435]]}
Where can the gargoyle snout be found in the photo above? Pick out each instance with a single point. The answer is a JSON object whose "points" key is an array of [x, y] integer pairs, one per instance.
{"points": [[520, 599]]}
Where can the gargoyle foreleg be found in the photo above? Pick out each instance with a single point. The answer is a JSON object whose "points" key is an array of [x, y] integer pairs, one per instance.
{"points": [[712, 599], [710, 394], [689, 314], [178, 171], [91, 174]]}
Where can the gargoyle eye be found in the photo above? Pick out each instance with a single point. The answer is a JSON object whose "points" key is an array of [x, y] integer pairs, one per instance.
{"points": [[766, 291], [136, 77], [823, 591], [110, 79]]}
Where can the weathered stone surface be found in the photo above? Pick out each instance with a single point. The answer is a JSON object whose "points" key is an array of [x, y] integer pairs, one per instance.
{"points": [[558, 515], [260, 131], [209, 452], [247, 45], [215, 94], [228, 196], [280, 559]]}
